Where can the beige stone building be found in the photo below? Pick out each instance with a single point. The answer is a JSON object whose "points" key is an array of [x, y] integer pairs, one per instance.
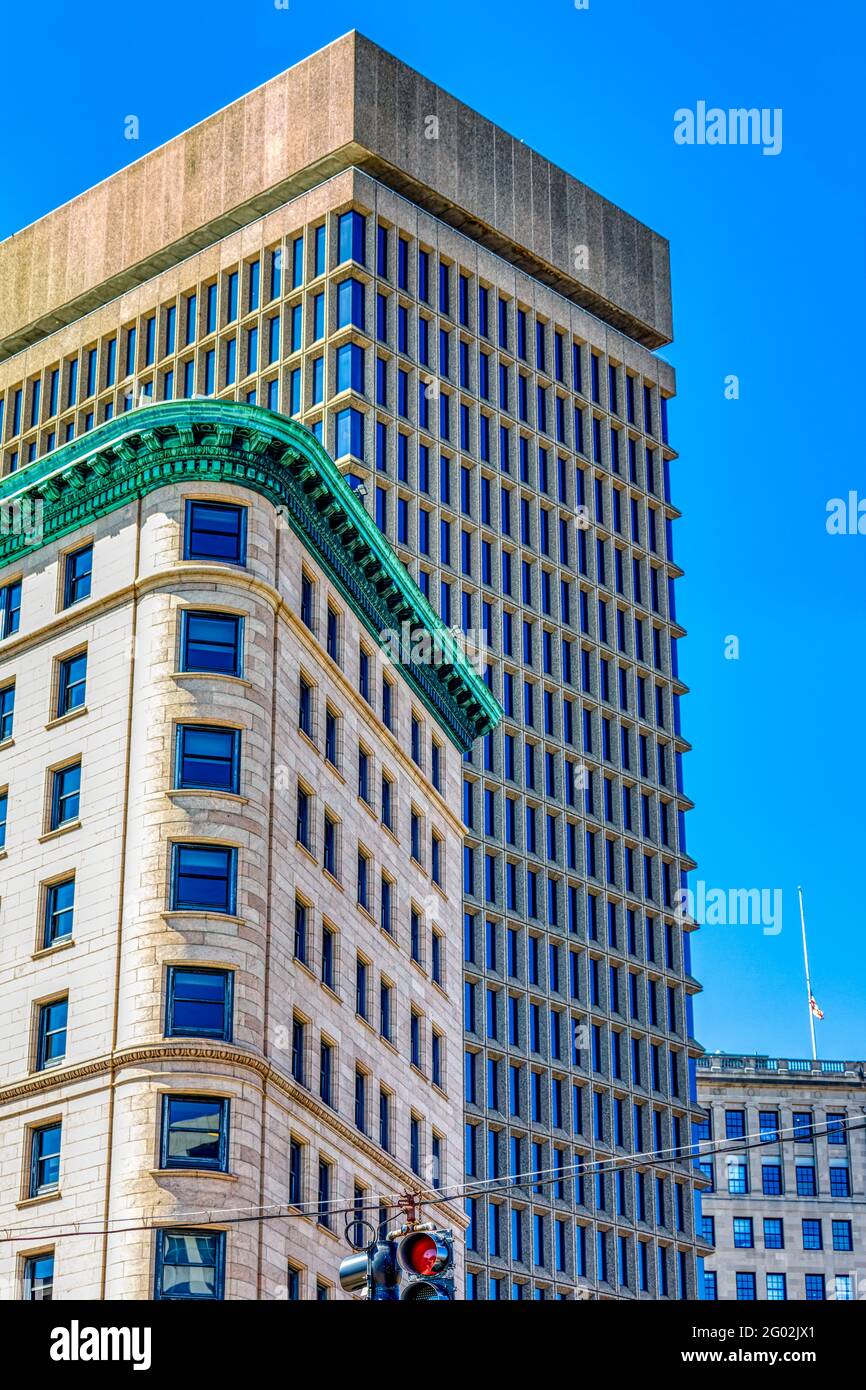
{"points": [[230, 876], [785, 1207]]}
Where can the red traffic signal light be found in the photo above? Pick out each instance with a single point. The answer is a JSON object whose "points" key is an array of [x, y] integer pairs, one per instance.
{"points": [[425, 1257], [424, 1254]]}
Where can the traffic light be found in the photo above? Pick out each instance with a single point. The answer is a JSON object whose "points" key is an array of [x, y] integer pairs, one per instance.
{"points": [[427, 1258], [355, 1272], [375, 1269], [384, 1272]]}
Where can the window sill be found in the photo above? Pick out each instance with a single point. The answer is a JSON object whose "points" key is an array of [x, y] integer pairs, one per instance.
{"points": [[3, 853], [6, 743], [212, 676], [67, 718], [192, 1173], [302, 965], [54, 1065], [189, 915], [326, 1230], [233, 565], [61, 830], [308, 739], [336, 882], [234, 797], [55, 946], [38, 1201]]}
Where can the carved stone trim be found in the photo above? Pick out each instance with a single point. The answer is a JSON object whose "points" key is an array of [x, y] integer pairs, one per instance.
{"points": [[169, 1050], [247, 446]]}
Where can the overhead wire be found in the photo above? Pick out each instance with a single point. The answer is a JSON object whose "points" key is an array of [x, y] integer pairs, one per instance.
{"points": [[534, 1177]]}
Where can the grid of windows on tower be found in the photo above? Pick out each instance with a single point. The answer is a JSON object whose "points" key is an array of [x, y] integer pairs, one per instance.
{"points": [[518, 463]]}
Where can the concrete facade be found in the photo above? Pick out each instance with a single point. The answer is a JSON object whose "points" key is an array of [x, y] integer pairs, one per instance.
{"points": [[520, 467], [350, 105], [801, 1115]]}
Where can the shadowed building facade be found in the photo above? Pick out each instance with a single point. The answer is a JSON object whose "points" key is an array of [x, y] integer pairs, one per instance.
{"points": [[231, 892], [470, 333]]}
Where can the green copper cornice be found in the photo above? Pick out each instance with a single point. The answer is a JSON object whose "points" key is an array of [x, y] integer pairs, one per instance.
{"points": [[247, 446]]}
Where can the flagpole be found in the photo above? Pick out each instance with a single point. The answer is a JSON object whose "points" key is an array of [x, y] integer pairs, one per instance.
{"points": [[808, 981]]}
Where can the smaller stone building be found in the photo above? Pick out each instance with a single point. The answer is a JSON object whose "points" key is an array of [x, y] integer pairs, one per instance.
{"points": [[786, 1205]]}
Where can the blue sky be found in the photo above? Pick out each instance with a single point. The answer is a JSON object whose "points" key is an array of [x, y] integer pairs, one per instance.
{"points": [[767, 256]]}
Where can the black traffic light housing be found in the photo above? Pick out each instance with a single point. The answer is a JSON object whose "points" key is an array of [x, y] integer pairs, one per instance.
{"points": [[410, 1266], [384, 1271], [374, 1269]]}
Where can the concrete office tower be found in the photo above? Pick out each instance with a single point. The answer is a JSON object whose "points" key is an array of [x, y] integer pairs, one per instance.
{"points": [[470, 332], [787, 1215], [231, 867]]}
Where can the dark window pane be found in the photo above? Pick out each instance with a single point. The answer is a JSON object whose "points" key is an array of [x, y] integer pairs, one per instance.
{"points": [[79, 569], [52, 1032], [207, 757], [66, 795], [72, 684], [199, 1003], [215, 531], [194, 1132], [39, 1278], [190, 1264], [59, 902], [203, 878], [212, 643]]}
